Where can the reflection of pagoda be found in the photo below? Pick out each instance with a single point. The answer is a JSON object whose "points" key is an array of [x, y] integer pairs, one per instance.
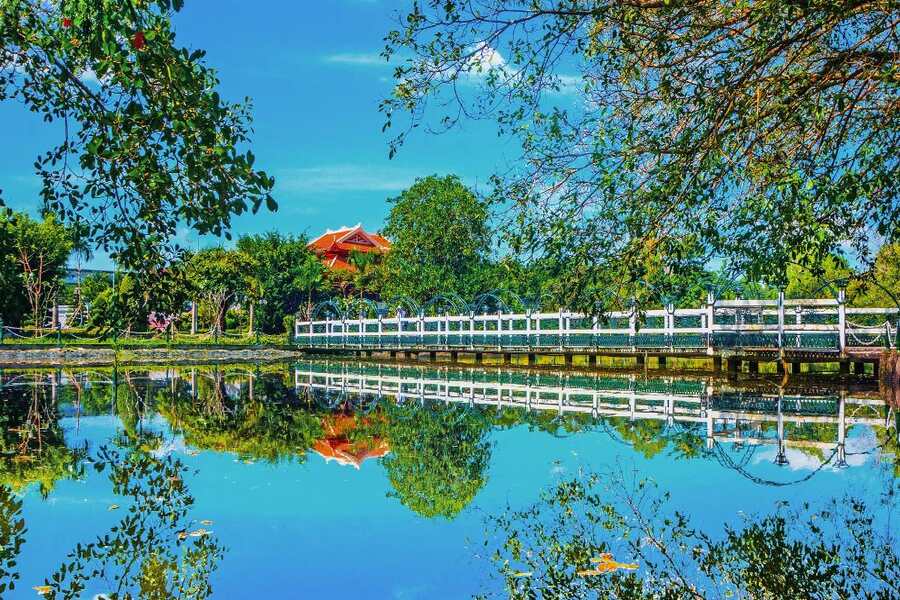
{"points": [[336, 444]]}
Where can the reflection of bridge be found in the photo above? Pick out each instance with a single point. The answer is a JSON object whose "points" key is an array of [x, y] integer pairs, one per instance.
{"points": [[752, 330], [728, 416]]}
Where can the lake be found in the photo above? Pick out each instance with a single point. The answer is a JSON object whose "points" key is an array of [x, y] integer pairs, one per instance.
{"points": [[374, 480]]}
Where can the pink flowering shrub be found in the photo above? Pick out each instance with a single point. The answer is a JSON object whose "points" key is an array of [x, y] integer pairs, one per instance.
{"points": [[159, 321]]}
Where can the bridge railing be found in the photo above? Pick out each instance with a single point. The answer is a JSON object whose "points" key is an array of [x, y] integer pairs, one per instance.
{"points": [[810, 324]]}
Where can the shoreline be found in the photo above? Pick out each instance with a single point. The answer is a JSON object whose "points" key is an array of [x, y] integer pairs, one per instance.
{"points": [[98, 356]]}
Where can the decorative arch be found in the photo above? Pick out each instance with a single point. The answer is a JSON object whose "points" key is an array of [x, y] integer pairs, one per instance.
{"points": [[326, 308], [364, 307], [488, 299], [406, 303], [451, 301]]}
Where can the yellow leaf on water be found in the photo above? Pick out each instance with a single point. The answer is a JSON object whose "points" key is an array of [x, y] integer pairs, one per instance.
{"points": [[206, 522], [199, 533], [43, 589], [523, 574], [113, 507]]}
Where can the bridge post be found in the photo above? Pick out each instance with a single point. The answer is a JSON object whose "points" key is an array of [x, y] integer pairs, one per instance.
{"points": [[733, 366], [560, 328], [795, 367], [528, 328], [499, 330], [420, 325], [780, 319], [710, 316], [471, 329], [670, 327], [327, 330], [842, 319], [632, 323]]}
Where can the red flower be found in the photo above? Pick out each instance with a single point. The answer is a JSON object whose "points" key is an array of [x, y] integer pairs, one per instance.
{"points": [[137, 41], [66, 22]]}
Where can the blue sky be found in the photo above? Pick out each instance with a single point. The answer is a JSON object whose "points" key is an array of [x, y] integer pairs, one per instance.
{"points": [[313, 71]]}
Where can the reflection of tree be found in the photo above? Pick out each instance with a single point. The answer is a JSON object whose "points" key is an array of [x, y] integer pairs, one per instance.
{"points": [[438, 458], [269, 426], [32, 442], [542, 420], [151, 553], [12, 536], [647, 436], [836, 551]]}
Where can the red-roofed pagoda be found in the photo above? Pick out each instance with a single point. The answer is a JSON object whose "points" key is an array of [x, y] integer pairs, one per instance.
{"points": [[334, 247]]}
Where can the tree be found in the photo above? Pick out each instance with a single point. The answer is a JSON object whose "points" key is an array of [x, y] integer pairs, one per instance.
{"points": [[440, 237], [367, 278], [761, 133], [147, 143], [288, 273], [135, 295], [222, 277], [41, 250], [833, 273], [883, 289]]}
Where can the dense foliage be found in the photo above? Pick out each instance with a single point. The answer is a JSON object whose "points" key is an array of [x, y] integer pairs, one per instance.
{"points": [[763, 133], [440, 238], [147, 143], [289, 277], [33, 256]]}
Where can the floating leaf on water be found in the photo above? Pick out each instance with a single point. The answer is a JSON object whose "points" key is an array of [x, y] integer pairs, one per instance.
{"points": [[606, 564], [523, 574], [206, 522], [43, 589], [199, 533], [113, 507], [605, 557]]}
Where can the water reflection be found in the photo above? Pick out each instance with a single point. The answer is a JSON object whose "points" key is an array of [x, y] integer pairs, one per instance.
{"points": [[430, 430], [688, 418]]}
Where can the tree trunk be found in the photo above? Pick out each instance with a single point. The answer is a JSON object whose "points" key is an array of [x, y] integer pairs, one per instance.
{"points": [[251, 315]]}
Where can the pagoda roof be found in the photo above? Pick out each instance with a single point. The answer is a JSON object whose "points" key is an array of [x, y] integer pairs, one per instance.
{"points": [[347, 239]]}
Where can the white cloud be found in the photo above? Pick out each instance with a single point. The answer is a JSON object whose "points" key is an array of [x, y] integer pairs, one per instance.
{"points": [[344, 178], [483, 58], [358, 59]]}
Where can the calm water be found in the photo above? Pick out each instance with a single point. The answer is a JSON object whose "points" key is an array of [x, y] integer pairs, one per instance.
{"points": [[356, 480]]}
